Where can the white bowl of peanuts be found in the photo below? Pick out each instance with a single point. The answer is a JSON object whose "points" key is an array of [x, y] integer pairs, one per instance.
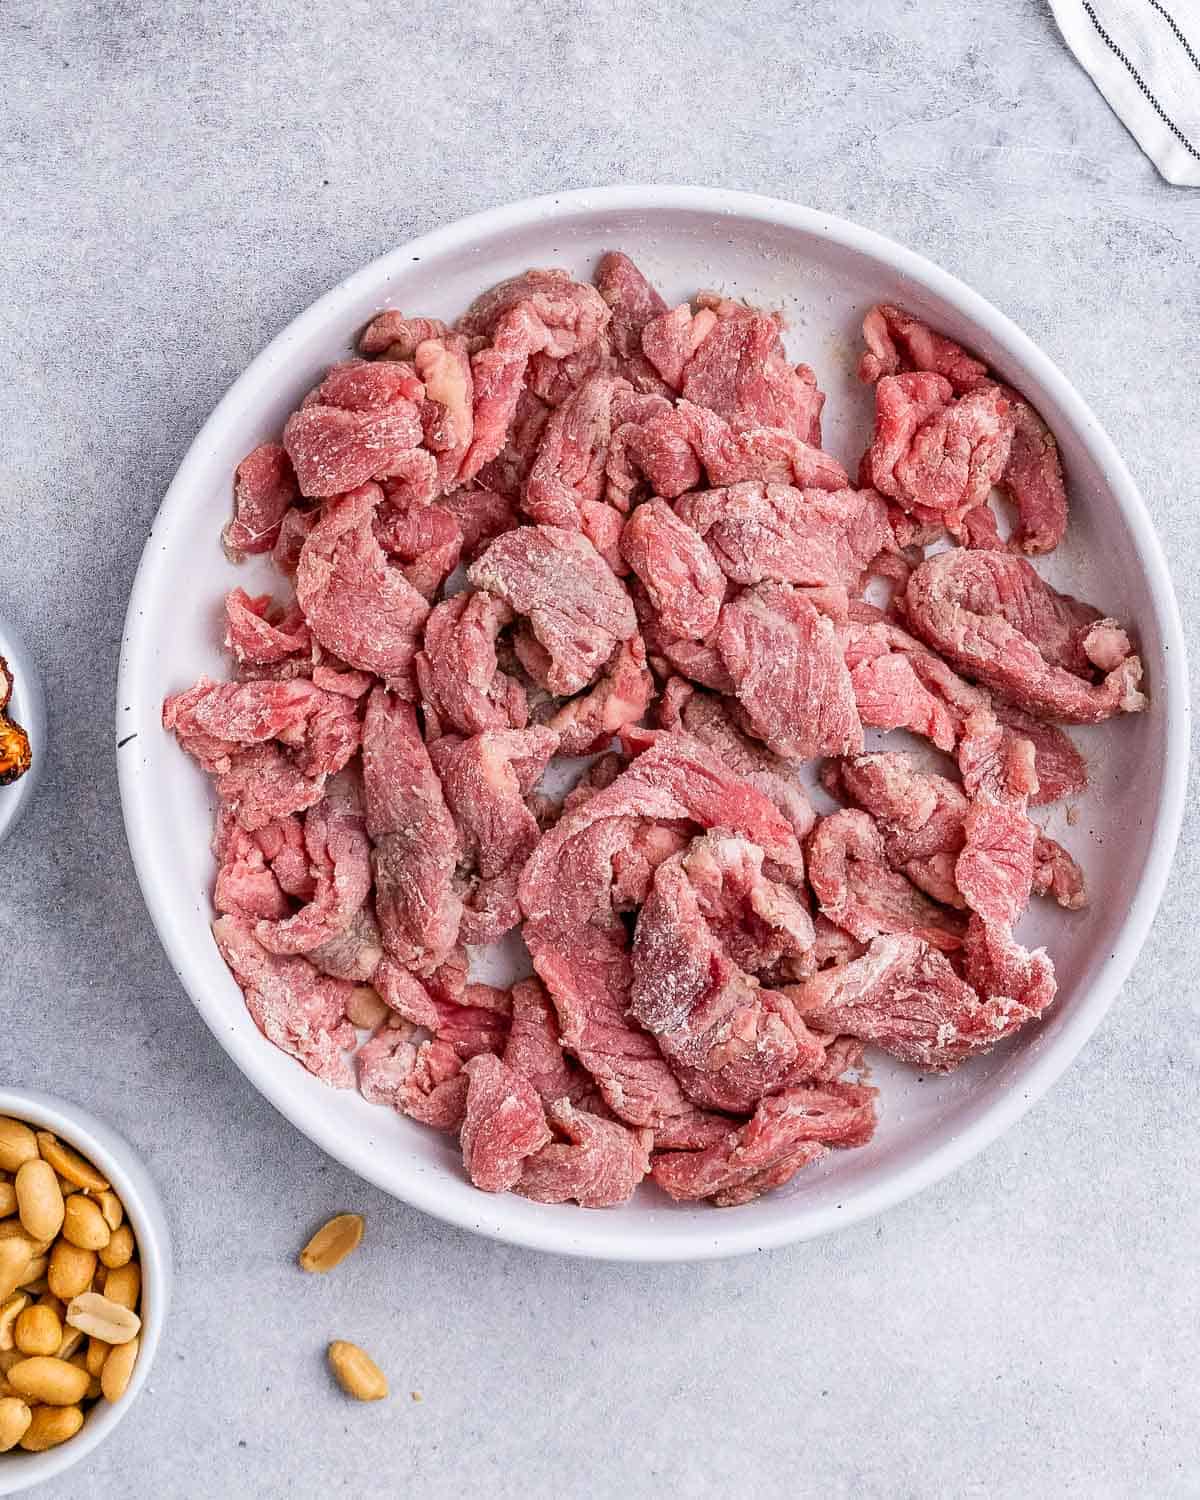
{"points": [[85, 1282]]}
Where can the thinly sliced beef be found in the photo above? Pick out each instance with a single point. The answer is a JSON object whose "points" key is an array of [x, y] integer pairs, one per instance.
{"points": [[706, 717], [504, 1124], [576, 609], [339, 854], [975, 607], [594, 1162], [424, 539], [789, 1130], [259, 632], [677, 570], [773, 532], [393, 336], [896, 342], [904, 996], [485, 780], [264, 489], [423, 1080], [356, 604], [462, 688], [858, 889], [294, 1005], [621, 697], [534, 1048], [1033, 480], [354, 427], [633, 302], [415, 841], [788, 673]]}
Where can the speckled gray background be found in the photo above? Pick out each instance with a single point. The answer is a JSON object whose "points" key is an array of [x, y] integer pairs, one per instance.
{"points": [[178, 181]]}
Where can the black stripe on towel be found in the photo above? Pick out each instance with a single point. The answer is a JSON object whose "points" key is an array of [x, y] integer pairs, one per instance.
{"points": [[1141, 83]]}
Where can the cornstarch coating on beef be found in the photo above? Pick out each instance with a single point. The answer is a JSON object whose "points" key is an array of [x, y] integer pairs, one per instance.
{"points": [[507, 543]]}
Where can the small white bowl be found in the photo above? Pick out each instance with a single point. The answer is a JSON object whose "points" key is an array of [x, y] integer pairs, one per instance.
{"points": [[823, 273], [114, 1157], [28, 710]]}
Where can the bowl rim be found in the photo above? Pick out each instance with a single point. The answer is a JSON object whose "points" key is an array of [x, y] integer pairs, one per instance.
{"points": [[108, 1150], [1044, 1066]]}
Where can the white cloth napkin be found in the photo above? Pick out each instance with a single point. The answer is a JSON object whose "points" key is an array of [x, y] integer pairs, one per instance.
{"points": [[1144, 57]]}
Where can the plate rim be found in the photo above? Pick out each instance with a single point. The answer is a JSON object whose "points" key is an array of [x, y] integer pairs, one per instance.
{"points": [[423, 1190]]}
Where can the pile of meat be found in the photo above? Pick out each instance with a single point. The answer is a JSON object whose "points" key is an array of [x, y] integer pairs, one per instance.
{"points": [[580, 523]]}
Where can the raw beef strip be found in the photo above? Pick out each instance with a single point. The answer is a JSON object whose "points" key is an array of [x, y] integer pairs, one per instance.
{"points": [[363, 419], [652, 442], [579, 943], [740, 448], [1061, 769], [394, 336], [942, 454], [482, 515], [424, 539], [859, 891], [921, 817], [994, 871], [940, 603], [633, 302], [404, 994], [699, 661], [897, 342], [566, 486], [760, 921], [596, 1163], [462, 688], [212, 720], [504, 1124], [485, 780], [246, 885], [294, 1005], [1017, 982], [412, 478], [339, 852], [443, 365], [414, 837], [788, 673], [788, 1131], [903, 996], [534, 1047], [282, 844], [708, 719], [677, 570], [477, 1023], [354, 954], [1033, 480], [258, 632], [622, 696], [356, 604], [293, 533], [264, 487], [261, 783], [772, 532], [573, 309], [575, 607], [506, 473], [422, 1080]]}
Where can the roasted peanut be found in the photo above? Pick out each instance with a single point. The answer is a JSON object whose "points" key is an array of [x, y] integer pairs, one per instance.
{"points": [[18, 1144], [15, 1255], [356, 1372], [51, 1425], [123, 1284], [97, 1352], [72, 1344], [71, 1270], [8, 1199], [120, 1248], [112, 1208], [365, 1008], [38, 1331], [39, 1200], [83, 1223], [70, 1164], [10, 1310], [56, 1382], [118, 1367], [332, 1243], [15, 1417], [101, 1318]]}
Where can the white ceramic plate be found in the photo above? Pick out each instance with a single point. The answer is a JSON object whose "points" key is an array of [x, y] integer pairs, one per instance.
{"points": [[823, 273]]}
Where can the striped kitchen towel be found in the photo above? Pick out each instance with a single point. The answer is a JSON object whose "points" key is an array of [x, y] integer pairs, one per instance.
{"points": [[1144, 57]]}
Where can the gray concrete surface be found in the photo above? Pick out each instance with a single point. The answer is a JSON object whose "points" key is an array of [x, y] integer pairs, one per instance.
{"points": [[178, 181]]}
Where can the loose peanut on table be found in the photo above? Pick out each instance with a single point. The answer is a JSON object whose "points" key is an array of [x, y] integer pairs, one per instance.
{"points": [[356, 1372], [332, 1243]]}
